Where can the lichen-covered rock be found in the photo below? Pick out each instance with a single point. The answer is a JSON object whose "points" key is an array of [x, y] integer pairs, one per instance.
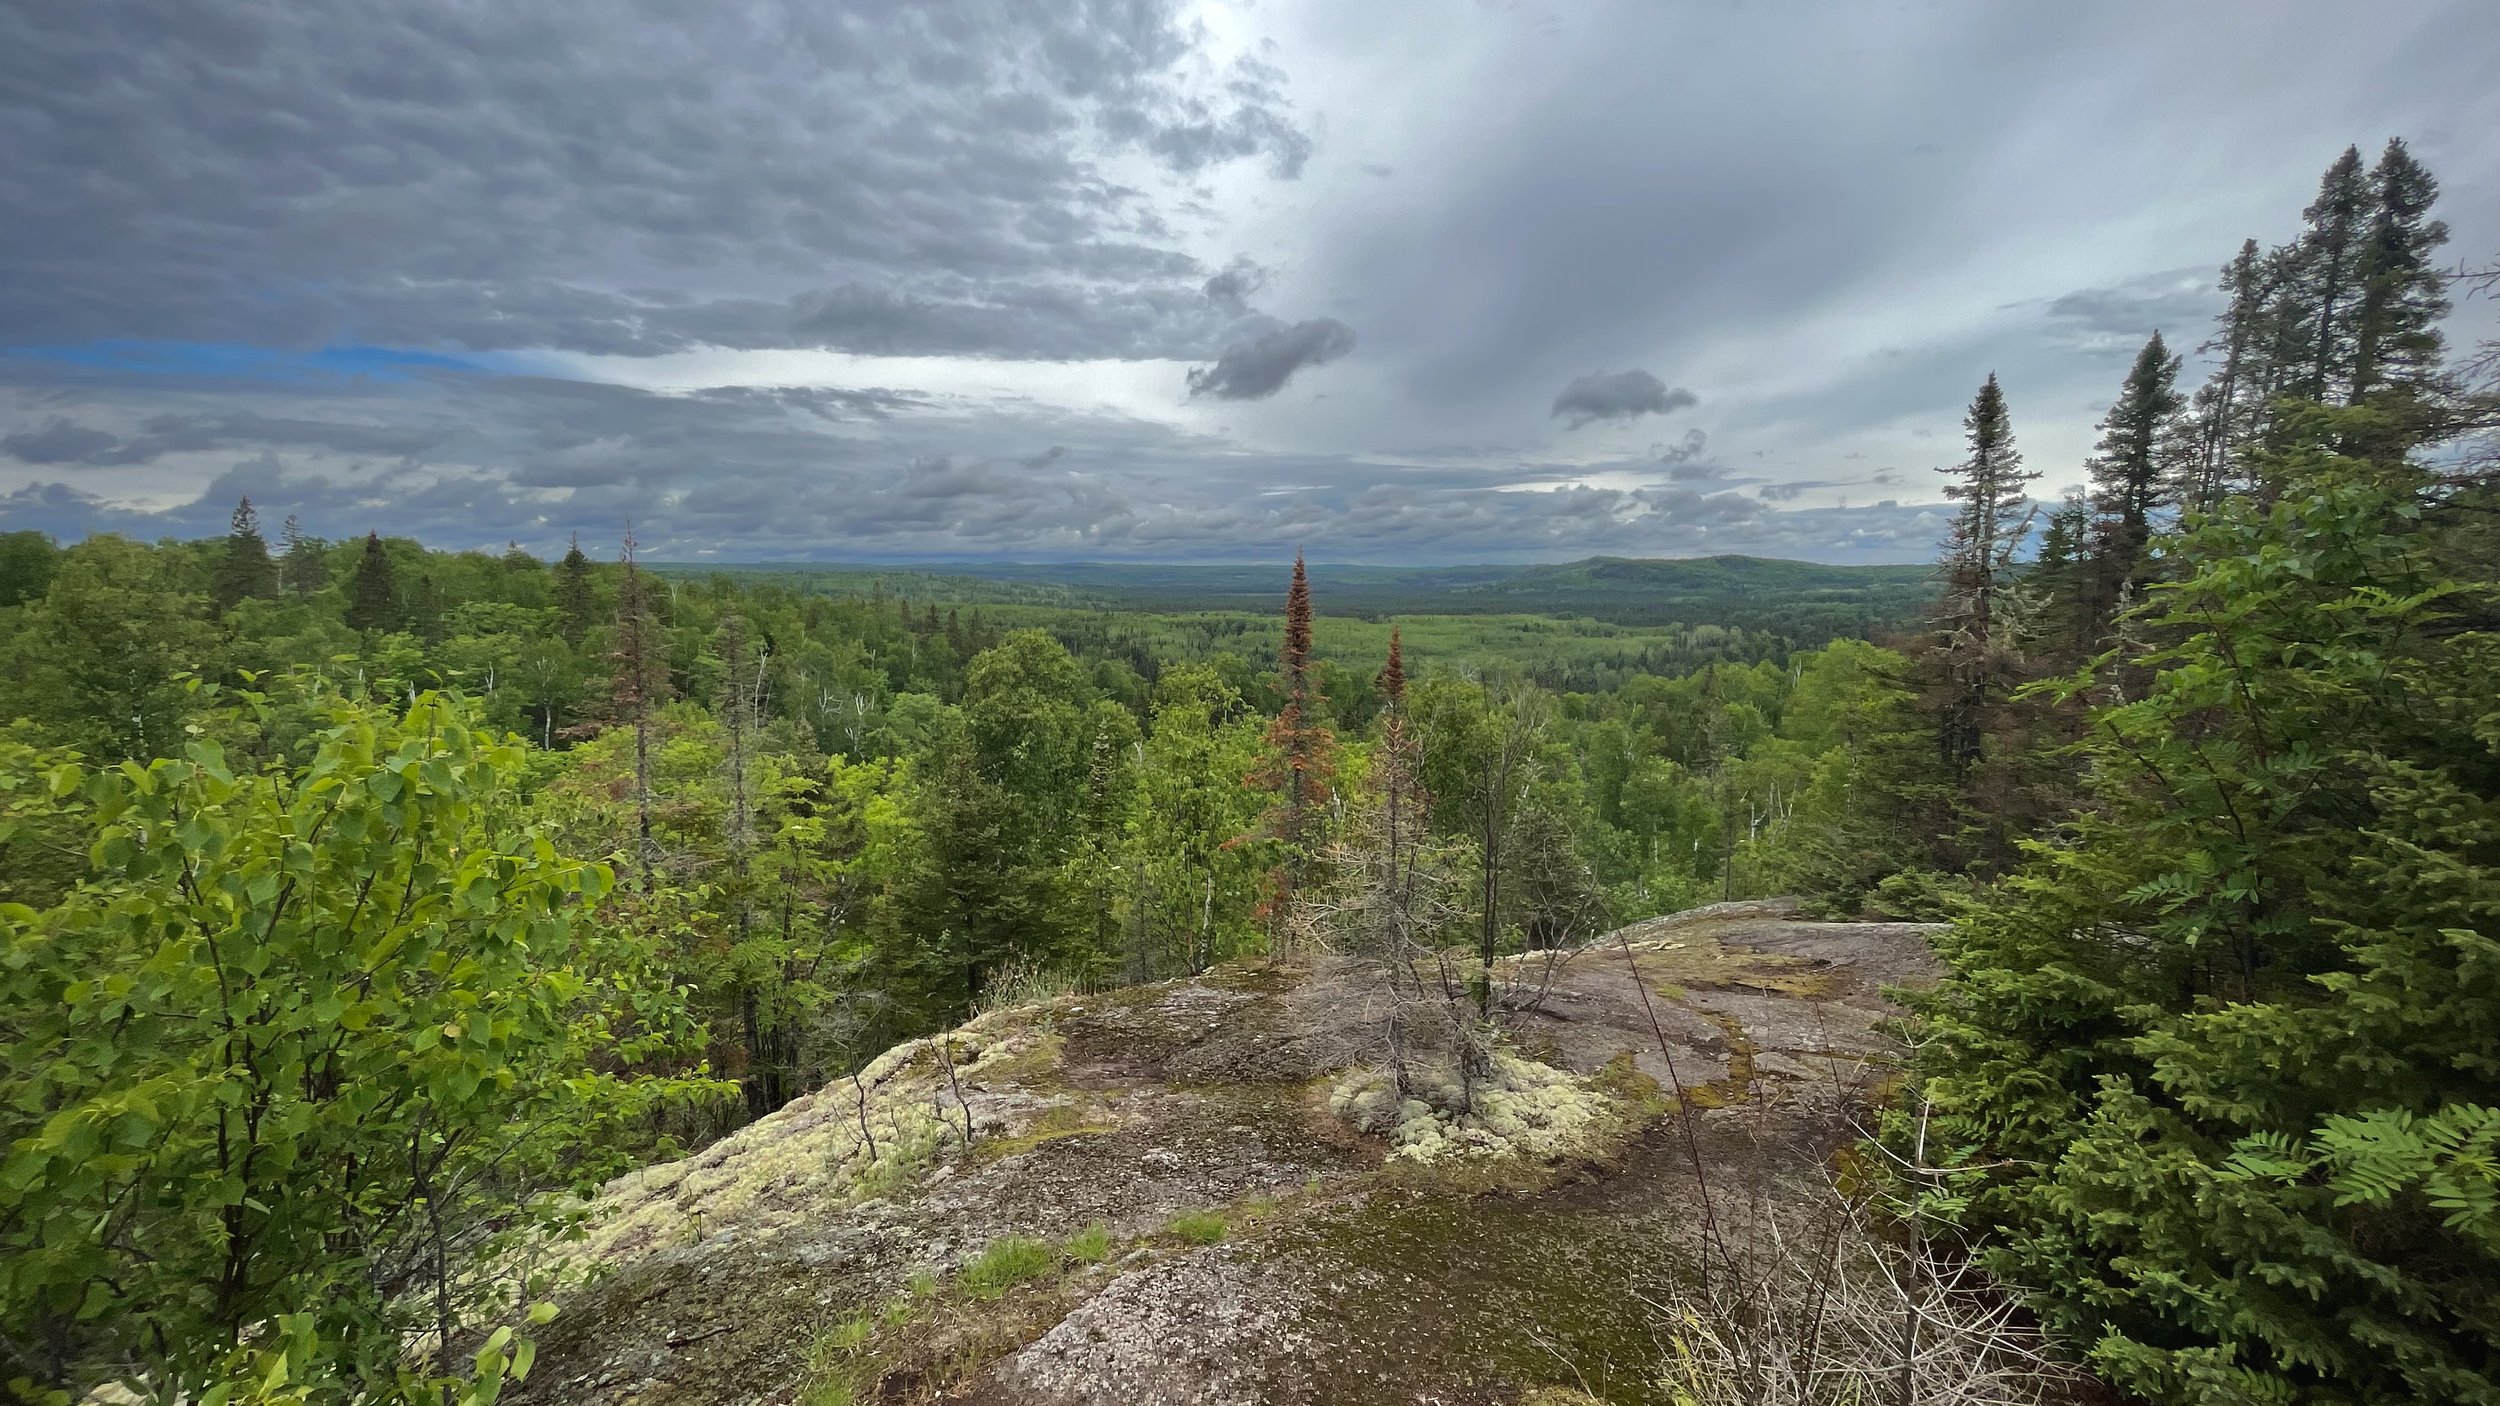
{"points": [[1521, 1108], [1358, 1262]]}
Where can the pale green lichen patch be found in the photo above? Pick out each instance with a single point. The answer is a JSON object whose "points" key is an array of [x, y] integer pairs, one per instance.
{"points": [[1518, 1109], [814, 1154]]}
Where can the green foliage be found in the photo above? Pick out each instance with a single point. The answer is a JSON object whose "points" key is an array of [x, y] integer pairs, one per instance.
{"points": [[2227, 1045], [1006, 1263], [1197, 1228], [244, 569], [100, 659], [1092, 1245], [880, 817], [301, 1044], [27, 561], [373, 603]]}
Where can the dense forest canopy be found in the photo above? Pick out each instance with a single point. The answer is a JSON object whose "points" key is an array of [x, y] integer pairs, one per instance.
{"points": [[363, 900]]}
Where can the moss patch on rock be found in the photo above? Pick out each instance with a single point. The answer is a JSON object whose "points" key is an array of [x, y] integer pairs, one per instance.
{"points": [[1695, 961], [1479, 1299]]}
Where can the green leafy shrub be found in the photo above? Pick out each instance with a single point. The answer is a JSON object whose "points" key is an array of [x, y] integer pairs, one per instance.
{"points": [[284, 1009]]}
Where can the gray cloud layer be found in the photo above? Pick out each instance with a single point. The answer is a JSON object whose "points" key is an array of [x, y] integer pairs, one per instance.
{"points": [[1830, 219], [752, 474], [885, 176]]}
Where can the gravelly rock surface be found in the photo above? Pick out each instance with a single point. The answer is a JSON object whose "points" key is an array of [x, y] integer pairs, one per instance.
{"points": [[1214, 1327]]}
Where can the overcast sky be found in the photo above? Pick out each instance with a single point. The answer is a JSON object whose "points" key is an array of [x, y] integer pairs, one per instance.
{"points": [[1387, 280]]}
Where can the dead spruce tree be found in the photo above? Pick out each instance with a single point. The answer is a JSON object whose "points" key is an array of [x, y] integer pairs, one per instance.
{"points": [[1392, 899]]}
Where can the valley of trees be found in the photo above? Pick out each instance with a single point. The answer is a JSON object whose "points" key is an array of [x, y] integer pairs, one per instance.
{"points": [[362, 900]]}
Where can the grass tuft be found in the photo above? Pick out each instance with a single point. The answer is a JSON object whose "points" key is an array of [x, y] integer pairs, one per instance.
{"points": [[1092, 1245], [1013, 1260], [1197, 1227]]}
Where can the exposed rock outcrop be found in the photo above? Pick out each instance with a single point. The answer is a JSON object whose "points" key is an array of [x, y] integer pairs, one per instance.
{"points": [[1205, 1192]]}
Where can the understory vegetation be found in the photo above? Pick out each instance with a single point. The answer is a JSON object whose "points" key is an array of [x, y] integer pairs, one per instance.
{"points": [[366, 907]]}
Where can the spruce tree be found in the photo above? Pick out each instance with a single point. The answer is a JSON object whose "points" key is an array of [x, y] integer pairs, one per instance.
{"points": [[638, 684], [2060, 585], [2231, 405], [425, 609], [306, 566], [2286, 333], [2134, 472], [1391, 680], [2221, 1059], [1300, 743], [577, 596], [245, 571], [373, 591], [766, 1082], [1991, 485], [2402, 297], [1393, 768], [2328, 275]]}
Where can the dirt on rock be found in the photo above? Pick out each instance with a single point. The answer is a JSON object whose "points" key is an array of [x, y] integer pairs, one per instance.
{"points": [[1158, 1204]]}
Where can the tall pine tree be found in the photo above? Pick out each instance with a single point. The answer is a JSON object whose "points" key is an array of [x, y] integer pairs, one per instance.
{"points": [[306, 566], [1300, 743], [2328, 276], [2134, 477], [1972, 643], [373, 591], [245, 571], [577, 596], [2231, 405], [638, 684], [2396, 339], [2060, 583]]}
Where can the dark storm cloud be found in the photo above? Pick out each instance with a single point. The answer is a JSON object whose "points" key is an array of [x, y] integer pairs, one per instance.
{"points": [[64, 442], [760, 173], [1259, 367], [61, 441], [1618, 395]]}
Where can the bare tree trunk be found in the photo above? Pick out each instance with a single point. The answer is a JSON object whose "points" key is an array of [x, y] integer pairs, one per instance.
{"points": [[763, 1082], [946, 1057], [1203, 951], [861, 1091], [1910, 1272], [636, 667], [1727, 836]]}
